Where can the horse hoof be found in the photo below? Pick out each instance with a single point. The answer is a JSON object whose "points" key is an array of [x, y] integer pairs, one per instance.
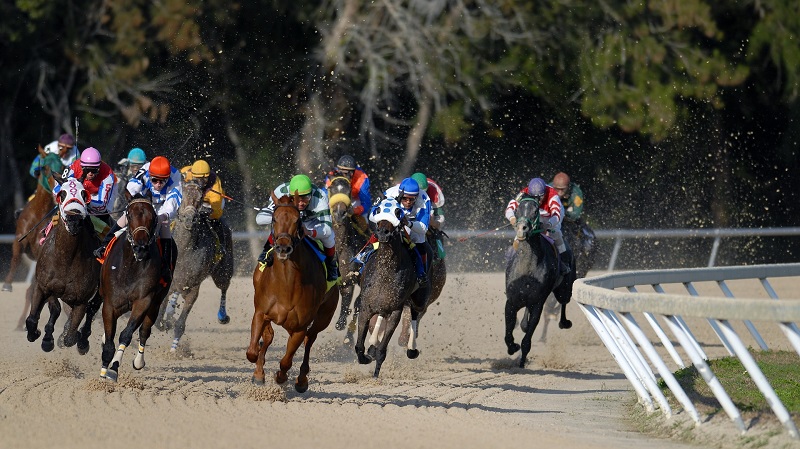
{"points": [[258, 381], [412, 353], [566, 324], [512, 348], [48, 345], [33, 336], [281, 377], [301, 387], [522, 363], [112, 375], [341, 324], [364, 360], [224, 320], [7, 288], [371, 351]]}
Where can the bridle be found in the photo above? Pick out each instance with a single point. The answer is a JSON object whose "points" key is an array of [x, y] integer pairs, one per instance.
{"points": [[293, 238], [151, 232], [532, 222]]}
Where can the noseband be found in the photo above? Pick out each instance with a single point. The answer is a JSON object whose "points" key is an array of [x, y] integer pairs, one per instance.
{"points": [[151, 234], [285, 235]]}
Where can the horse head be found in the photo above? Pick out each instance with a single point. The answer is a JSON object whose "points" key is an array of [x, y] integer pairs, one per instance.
{"points": [[527, 218], [191, 202], [387, 215], [339, 199], [71, 201], [142, 224], [287, 228]]}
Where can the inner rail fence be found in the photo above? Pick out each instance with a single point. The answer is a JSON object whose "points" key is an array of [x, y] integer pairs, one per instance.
{"points": [[610, 301]]}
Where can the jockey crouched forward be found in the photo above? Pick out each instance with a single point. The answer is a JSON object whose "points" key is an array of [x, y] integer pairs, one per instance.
{"points": [[99, 181], [312, 202], [416, 207], [359, 188], [213, 197], [163, 181], [551, 212]]}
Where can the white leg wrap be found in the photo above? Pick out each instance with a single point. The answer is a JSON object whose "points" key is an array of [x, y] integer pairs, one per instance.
{"points": [[118, 355], [373, 338], [174, 346], [138, 361], [412, 336]]}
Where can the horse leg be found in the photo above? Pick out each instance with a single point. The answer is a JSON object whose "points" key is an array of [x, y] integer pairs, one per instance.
{"points": [[189, 298], [67, 309], [413, 330], [376, 335], [511, 322], [167, 312], [144, 333], [48, 342], [25, 308], [109, 330], [535, 313], [266, 339], [16, 255], [257, 328], [563, 295], [86, 330], [71, 327], [363, 327], [405, 325], [222, 313], [321, 322], [126, 336], [347, 297], [564, 323], [382, 348], [351, 328], [32, 322], [294, 342]]}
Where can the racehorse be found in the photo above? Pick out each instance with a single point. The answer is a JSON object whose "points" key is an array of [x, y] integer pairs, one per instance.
{"points": [[67, 271], [437, 276], [201, 253], [532, 273], [292, 294], [388, 284], [130, 281], [348, 241]]}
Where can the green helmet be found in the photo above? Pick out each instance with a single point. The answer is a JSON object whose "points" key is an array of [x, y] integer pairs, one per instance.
{"points": [[421, 179], [300, 184]]}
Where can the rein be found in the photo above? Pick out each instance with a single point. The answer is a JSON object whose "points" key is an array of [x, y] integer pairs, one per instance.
{"points": [[151, 234]]}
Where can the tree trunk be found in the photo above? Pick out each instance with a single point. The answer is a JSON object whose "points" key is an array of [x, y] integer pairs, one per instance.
{"points": [[414, 141]]}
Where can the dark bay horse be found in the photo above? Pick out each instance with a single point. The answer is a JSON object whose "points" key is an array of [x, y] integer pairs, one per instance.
{"points": [[201, 253], [292, 293], [388, 284], [68, 271], [348, 241], [130, 281], [532, 274]]}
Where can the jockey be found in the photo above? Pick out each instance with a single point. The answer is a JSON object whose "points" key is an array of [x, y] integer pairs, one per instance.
{"points": [[99, 181], [359, 187], [571, 196], [550, 213], [213, 195], [130, 165], [434, 192], [315, 214], [67, 150], [416, 207], [163, 182]]}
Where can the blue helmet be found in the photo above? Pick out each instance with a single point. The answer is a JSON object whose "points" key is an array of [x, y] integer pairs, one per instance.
{"points": [[409, 187], [536, 187], [137, 156]]}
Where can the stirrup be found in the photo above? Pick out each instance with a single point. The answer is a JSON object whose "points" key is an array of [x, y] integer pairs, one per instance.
{"points": [[100, 252]]}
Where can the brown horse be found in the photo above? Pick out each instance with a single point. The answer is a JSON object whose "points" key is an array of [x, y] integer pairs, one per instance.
{"points": [[388, 284], [202, 252], [130, 281], [348, 242], [291, 293], [67, 270]]}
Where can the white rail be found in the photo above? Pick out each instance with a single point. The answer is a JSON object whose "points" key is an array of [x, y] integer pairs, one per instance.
{"points": [[607, 309]]}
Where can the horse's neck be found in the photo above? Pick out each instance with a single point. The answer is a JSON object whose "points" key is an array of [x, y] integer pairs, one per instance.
{"points": [[533, 247], [42, 195], [394, 248]]}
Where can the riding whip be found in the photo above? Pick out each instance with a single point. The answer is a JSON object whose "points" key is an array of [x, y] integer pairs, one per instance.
{"points": [[46, 216], [464, 239], [235, 201]]}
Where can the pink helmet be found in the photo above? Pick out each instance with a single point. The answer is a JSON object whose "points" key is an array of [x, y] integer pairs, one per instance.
{"points": [[90, 157]]}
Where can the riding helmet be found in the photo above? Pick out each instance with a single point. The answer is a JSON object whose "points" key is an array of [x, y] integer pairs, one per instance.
{"points": [[90, 157], [136, 156], [561, 180], [66, 139], [200, 168], [346, 162], [409, 187], [301, 184], [536, 187], [160, 167], [421, 179]]}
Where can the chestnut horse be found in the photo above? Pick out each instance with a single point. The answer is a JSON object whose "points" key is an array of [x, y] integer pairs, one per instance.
{"points": [[348, 242], [201, 254], [67, 270], [292, 294], [532, 274], [130, 281], [388, 283]]}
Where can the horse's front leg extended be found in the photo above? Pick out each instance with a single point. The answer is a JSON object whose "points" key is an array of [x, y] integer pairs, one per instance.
{"points": [[361, 335], [511, 322], [86, 329], [125, 337], [189, 299], [48, 343], [109, 331], [32, 322], [144, 333], [382, 348], [535, 314], [295, 340], [71, 326], [256, 329]]}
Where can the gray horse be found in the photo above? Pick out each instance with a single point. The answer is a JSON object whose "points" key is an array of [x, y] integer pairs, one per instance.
{"points": [[202, 251], [531, 275]]}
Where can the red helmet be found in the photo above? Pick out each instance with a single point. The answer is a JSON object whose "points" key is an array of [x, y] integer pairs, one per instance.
{"points": [[160, 167]]}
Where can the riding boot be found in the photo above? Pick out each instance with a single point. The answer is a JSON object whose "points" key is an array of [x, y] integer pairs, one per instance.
{"points": [[100, 252], [360, 259], [166, 260], [267, 256], [419, 265], [332, 266]]}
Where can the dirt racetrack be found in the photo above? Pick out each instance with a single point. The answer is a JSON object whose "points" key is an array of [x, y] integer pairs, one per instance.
{"points": [[463, 391]]}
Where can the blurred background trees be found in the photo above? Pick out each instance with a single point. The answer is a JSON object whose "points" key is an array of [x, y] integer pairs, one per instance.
{"points": [[668, 114]]}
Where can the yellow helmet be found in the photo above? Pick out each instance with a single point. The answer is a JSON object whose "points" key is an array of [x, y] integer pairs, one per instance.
{"points": [[201, 169]]}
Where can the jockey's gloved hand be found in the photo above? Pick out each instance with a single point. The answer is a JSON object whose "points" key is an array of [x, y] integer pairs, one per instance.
{"points": [[304, 215], [513, 221]]}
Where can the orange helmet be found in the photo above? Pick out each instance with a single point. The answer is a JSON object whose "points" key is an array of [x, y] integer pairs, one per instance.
{"points": [[160, 167]]}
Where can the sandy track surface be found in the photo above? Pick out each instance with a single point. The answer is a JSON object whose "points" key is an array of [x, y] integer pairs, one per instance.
{"points": [[463, 391]]}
